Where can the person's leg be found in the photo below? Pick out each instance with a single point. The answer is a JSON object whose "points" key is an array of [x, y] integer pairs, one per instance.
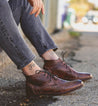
{"points": [[34, 30], [12, 42]]}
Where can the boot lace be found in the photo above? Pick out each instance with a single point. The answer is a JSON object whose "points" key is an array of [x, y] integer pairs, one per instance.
{"points": [[47, 74]]}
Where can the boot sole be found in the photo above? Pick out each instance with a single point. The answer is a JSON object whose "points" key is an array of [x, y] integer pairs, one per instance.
{"points": [[57, 94]]}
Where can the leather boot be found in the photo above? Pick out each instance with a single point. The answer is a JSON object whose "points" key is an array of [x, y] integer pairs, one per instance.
{"points": [[44, 83], [60, 69]]}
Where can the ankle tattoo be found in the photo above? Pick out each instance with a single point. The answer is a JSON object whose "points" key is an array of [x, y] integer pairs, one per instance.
{"points": [[31, 66]]}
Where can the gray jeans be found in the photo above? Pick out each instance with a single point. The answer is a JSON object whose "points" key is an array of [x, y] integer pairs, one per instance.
{"points": [[11, 41]]}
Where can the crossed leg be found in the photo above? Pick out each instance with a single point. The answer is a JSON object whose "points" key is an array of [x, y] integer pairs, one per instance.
{"points": [[33, 29]]}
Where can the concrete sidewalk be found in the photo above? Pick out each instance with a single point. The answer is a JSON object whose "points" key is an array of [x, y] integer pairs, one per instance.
{"points": [[85, 49]]}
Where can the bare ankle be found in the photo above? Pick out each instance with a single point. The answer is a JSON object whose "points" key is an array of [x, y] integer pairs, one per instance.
{"points": [[30, 68], [50, 55]]}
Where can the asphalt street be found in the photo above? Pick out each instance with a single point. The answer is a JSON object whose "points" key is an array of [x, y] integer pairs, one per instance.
{"points": [[85, 59]]}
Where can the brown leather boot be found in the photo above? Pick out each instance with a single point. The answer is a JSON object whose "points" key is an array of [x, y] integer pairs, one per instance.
{"points": [[64, 71], [44, 83]]}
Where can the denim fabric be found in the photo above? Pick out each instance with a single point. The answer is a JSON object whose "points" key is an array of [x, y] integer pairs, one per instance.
{"points": [[11, 41]]}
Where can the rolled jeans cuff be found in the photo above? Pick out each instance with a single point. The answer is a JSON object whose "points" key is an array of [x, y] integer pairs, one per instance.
{"points": [[26, 62], [45, 49]]}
